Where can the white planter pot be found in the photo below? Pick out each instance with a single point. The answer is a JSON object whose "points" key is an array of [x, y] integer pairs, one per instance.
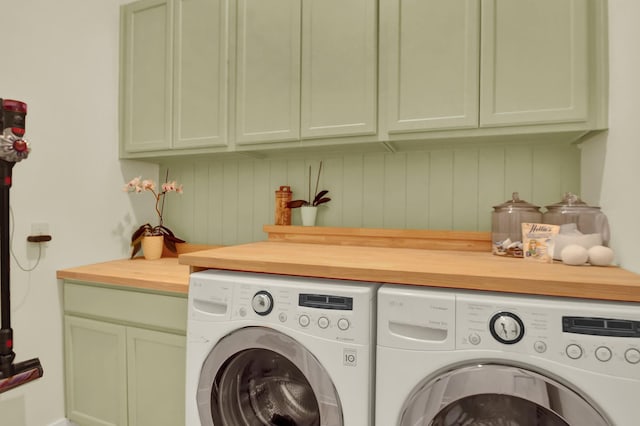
{"points": [[308, 215]]}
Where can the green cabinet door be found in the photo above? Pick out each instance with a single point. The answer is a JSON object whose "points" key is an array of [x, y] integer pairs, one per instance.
{"points": [[429, 64], [200, 73], [95, 372], [268, 71], [339, 63], [535, 62], [146, 75], [156, 377]]}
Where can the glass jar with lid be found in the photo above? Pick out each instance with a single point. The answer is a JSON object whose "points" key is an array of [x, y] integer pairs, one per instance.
{"points": [[506, 224], [588, 219]]}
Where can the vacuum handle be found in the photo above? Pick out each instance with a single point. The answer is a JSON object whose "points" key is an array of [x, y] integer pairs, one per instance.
{"points": [[6, 168]]}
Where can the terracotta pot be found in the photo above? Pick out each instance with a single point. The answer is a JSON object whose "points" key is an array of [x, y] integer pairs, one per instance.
{"points": [[152, 247]]}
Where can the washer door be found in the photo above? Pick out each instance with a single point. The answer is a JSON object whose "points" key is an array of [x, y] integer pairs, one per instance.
{"points": [[257, 376], [496, 395]]}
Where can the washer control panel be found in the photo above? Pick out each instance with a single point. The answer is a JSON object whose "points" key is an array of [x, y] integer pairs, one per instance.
{"points": [[595, 336], [325, 314], [331, 309]]}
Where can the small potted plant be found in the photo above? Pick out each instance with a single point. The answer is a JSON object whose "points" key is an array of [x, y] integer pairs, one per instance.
{"points": [[309, 207], [152, 238]]}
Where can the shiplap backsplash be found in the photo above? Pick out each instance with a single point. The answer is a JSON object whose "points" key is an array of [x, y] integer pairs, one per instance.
{"points": [[228, 201]]}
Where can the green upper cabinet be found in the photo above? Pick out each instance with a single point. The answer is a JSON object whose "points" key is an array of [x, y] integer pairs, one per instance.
{"points": [[200, 73], [430, 60], [339, 64], [268, 71], [220, 76], [534, 62], [173, 75], [146, 61], [492, 67], [305, 69]]}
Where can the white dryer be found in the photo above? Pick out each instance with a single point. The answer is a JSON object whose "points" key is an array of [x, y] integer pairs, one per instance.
{"points": [[447, 357], [279, 351]]}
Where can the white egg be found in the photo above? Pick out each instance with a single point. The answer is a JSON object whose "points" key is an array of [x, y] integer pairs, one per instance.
{"points": [[574, 254], [600, 256]]}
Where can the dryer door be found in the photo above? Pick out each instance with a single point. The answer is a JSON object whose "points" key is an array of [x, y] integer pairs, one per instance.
{"points": [[497, 395], [257, 376]]}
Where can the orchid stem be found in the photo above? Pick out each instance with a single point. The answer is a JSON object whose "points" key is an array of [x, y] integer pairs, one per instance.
{"points": [[161, 212], [317, 182]]}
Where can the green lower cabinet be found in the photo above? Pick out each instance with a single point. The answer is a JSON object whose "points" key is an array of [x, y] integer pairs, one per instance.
{"points": [[156, 377], [96, 372], [125, 356]]}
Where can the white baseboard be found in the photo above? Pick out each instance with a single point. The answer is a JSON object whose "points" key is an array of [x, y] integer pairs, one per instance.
{"points": [[63, 422]]}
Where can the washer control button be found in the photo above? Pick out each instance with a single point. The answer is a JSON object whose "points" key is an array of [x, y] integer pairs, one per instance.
{"points": [[343, 324], [323, 322], [243, 312], [474, 338], [603, 353], [282, 316], [304, 320], [632, 356], [540, 346], [573, 351]]}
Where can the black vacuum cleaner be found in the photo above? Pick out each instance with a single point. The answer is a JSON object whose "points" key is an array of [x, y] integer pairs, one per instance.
{"points": [[12, 149]]}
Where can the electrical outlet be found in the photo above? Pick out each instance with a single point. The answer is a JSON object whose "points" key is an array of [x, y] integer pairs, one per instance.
{"points": [[40, 228], [39, 233]]}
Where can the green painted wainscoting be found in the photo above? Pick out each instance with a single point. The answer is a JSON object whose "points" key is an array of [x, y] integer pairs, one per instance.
{"points": [[228, 201]]}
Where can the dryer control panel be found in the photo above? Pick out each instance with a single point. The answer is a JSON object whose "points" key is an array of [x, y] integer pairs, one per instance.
{"points": [[595, 336]]}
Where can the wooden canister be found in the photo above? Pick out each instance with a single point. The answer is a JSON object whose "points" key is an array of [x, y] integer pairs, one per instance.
{"points": [[283, 213]]}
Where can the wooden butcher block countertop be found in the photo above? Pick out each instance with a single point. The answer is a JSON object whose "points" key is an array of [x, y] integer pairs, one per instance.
{"points": [[163, 275], [438, 268], [400, 257]]}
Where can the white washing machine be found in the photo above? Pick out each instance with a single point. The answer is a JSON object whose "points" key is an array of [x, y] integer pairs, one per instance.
{"points": [[279, 351], [447, 357]]}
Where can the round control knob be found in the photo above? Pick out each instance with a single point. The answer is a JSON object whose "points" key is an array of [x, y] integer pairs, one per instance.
{"points": [[323, 322], [603, 353], [282, 317], [573, 351], [474, 339], [507, 328], [304, 320], [262, 303], [343, 324], [632, 356]]}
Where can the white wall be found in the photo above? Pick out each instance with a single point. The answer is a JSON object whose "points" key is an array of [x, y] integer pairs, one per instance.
{"points": [[610, 162], [61, 58]]}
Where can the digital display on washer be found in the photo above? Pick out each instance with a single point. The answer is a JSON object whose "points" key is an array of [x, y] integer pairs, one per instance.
{"points": [[325, 301], [601, 326]]}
